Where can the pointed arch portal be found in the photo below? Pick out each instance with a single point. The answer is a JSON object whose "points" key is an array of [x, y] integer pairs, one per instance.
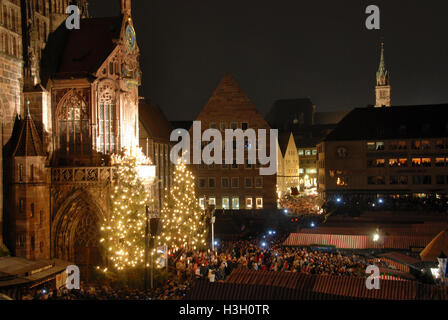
{"points": [[76, 233]]}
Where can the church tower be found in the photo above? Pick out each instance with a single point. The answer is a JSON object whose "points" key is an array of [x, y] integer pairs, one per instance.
{"points": [[382, 90], [30, 216]]}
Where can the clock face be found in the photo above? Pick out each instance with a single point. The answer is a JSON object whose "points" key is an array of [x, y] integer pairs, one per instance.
{"points": [[130, 38]]}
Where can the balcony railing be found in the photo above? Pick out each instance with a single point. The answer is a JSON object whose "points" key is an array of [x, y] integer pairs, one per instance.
{"points": [[83, 175]]}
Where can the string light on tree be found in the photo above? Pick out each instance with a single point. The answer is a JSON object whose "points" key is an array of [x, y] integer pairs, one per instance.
{"points": [[183, 220], [124, 232]]}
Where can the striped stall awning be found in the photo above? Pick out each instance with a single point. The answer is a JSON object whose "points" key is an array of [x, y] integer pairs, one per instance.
{"points": [[245, 284], [355, 241]]}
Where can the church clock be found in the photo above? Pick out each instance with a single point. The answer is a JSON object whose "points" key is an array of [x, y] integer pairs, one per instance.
{"points": [[130, 38]]}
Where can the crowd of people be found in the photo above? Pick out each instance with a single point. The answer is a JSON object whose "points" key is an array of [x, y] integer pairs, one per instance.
{"points": [[263, 253], [173, 290]]}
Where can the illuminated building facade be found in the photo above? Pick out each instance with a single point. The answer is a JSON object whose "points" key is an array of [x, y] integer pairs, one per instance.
{"points": [[287, 165], [393, 151], [67, 105]]}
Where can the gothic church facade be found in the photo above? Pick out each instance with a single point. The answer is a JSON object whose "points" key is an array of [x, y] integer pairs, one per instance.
{"points": [[68, 100]]}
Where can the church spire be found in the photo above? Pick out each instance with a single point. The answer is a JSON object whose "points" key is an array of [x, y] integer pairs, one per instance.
{"points": [[382, 76], [126, 6], [383, 89]]}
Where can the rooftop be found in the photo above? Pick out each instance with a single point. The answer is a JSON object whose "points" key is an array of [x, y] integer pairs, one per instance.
{"points": [[405, 122]]}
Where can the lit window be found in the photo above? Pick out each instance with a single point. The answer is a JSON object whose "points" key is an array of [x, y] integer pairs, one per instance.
{"points": [[416, 162], [308, 152], [426, 162], [259, 203], [393, 163], [379, 146], [225, 203], [371, 146], [300, 152], [249, 203], [314, 152], [73, 126], [380, 162], [235, 203], [201, 203], [403, 162], [212, 201], [440, 162]]}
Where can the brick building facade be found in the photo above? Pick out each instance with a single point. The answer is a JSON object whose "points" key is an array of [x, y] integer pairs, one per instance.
{"points": [[233, 186]]}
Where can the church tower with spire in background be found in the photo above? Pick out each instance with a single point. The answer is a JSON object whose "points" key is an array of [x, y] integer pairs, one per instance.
{"points": [[383, 88]]}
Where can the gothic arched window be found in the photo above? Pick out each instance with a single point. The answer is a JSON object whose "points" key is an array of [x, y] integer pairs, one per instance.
{"points": [[74, 126], [106, 123]]}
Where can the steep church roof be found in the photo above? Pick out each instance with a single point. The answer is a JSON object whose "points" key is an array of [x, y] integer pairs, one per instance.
{"points": [[29, 143], [82, 51], [88, 47], [154, 121]]}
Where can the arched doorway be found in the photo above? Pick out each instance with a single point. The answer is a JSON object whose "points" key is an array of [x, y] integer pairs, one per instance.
{"points": [[76, 234]]}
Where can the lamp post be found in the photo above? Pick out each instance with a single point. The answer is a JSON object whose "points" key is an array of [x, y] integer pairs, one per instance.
{"points": [[151, 230], [442, 267], [146, 246], [211, 210], [147, 174]]}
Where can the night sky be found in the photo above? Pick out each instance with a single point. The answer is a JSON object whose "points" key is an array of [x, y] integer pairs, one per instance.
{"points": [[287, 49]]}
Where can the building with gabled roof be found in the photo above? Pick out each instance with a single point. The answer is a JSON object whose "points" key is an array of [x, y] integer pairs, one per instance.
{"points": [[287, 165], [233, 186]]}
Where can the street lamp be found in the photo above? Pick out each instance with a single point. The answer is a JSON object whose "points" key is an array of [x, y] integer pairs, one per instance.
{"points": [[442, 267], [147, 174], [376, 237]]}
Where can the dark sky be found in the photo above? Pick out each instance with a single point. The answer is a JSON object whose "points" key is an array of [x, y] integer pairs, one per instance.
{"points": [[287, 49]]}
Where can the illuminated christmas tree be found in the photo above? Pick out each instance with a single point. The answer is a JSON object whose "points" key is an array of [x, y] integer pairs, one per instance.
{"points": [[183, 220], [124, 231]]}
